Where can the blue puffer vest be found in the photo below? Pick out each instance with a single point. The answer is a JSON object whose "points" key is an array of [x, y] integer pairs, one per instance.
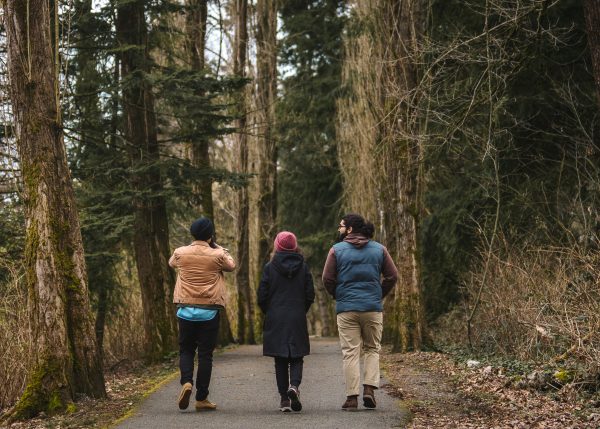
{"points": [[358, 277]]}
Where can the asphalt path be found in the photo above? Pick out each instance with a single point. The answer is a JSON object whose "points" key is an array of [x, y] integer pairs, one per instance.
{"points": [[243, 387]]}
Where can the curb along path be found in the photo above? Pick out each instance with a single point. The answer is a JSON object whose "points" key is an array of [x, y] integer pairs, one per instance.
{"points": [[243, 387]]}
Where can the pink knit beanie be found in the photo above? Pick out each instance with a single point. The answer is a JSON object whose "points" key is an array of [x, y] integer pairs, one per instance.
{"points": [[286, 242]]}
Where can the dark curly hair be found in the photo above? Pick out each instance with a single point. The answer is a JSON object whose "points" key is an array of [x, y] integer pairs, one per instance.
{"points": [[359, 224]]}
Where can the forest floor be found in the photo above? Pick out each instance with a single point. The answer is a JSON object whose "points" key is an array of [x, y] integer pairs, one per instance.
{"points": [[440, 392], [127, 383], [436, 390]]}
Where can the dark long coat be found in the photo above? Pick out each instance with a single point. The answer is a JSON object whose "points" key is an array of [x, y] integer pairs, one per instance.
{"points": [[285, 294]]}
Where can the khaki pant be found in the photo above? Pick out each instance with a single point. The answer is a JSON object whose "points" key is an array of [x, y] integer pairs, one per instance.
{"points": [[360, 334]]}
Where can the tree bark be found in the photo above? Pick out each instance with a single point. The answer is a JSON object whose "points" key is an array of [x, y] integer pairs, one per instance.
{"points": [[245, 316], [403, 26], [327, 325], [151, 233], [266, 93], [65, 358]]}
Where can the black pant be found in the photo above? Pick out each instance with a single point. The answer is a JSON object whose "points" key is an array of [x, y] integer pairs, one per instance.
{"points": [[201, 336], [288, 371]]}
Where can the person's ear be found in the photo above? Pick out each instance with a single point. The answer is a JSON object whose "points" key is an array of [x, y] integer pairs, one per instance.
{"points": [[349, 229]]}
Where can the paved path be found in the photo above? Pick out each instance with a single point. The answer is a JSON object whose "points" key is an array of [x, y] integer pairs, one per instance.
{"points": [[243, 386]]}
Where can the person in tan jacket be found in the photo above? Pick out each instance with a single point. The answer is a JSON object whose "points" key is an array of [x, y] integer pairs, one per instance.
{"points": [[199, 295]]}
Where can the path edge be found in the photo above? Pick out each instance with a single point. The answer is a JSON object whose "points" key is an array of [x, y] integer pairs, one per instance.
{"points": [[134, 408], [403, 405]]}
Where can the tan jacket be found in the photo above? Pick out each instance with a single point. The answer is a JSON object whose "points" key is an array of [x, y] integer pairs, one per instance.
{"points": [[200, 280]]}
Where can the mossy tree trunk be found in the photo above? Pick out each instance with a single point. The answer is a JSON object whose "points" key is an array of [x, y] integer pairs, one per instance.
{"points": [[245, 316], [266, 95], [402, 23], [151, 232], [65, 359], [380, 150]]}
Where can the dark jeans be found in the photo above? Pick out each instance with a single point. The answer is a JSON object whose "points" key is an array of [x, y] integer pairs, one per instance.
{"points": [[201, 336], [288, 371]]}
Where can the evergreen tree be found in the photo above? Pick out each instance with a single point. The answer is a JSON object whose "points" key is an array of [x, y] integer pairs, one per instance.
{"points": [[191, 108], [97, 161], [309, 188], [150, 225], [309, 182]]}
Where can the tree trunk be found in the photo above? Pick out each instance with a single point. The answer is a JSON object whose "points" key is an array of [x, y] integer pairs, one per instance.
{"points": [[403, 24], [197, 14], [101, 318], [65, 358], [327, 325], [592, 19], [245, 316], [200, 157], [266, 93], [151, 233], [378, 119]]}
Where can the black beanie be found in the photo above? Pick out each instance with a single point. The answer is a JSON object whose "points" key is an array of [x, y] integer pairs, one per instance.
{"points": [[202, 229]]}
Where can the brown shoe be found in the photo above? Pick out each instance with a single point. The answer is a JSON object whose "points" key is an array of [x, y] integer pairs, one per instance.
{"points": [[351, 403], [369, 396], [184, 396], [205, 405], [285, 405]]}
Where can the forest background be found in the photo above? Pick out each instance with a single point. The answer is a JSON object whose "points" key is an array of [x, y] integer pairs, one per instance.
{"points": [[467, 131]]}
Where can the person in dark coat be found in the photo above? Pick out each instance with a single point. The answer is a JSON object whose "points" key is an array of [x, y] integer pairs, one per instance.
{"points": [[285, 294]]}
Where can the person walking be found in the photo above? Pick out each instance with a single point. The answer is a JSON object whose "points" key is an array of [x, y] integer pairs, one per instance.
{"points": [[199, 295], [284, 295], [353, 275]]}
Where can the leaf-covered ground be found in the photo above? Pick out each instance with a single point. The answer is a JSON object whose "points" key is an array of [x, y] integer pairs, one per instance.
{"points": [[438, 391], [126, 385], [442, 393]]}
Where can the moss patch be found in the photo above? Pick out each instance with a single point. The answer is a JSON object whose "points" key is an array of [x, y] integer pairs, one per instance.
{"points": [[31, 178], [71, 408], [40, 394], [564, 376], [59, 237]]}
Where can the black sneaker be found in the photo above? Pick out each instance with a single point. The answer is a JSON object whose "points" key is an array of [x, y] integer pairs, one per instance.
{"points": [[294, 396], [284, 406]]}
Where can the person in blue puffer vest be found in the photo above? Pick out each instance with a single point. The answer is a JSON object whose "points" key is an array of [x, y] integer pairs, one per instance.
{"points": [[359, 273]]}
